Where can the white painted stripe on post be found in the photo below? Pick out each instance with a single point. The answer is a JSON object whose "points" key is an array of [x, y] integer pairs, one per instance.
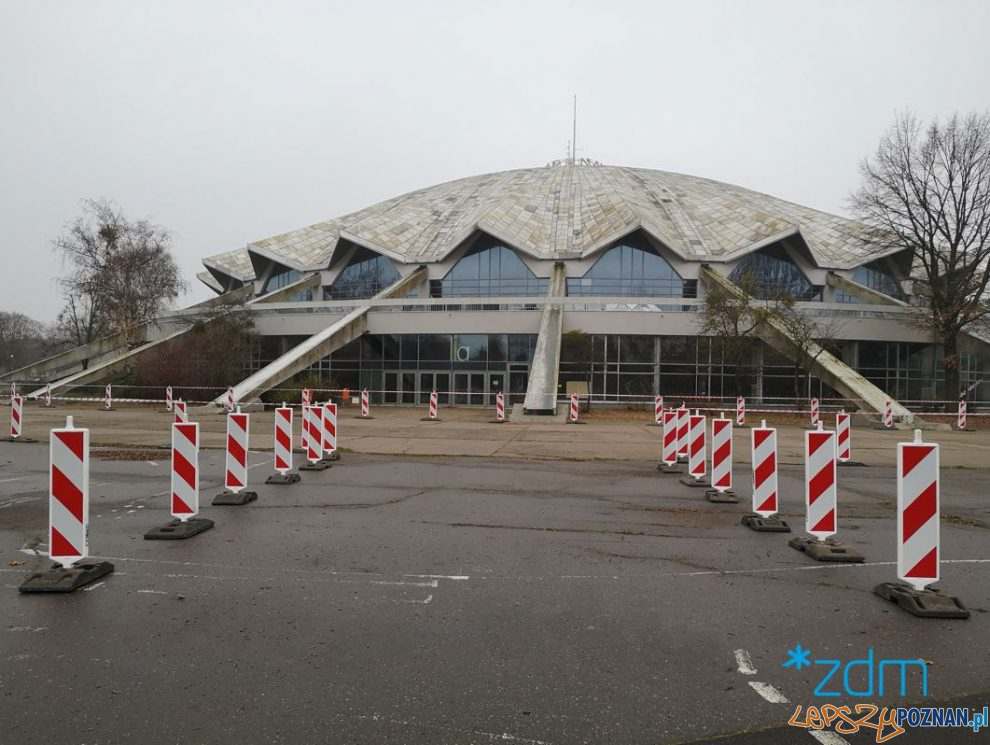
{"points": [[283, 439]]}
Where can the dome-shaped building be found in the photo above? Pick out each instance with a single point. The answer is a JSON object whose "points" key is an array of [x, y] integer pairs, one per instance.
{"points": [[470, 286]]}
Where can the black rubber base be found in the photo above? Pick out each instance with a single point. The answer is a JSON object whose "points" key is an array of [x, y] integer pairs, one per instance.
{"points": [[19, 439], [772, 524], [497, 421], [691, 481], [104, 408], [234, 499], [664, 468], [318, 466], [427, 419], [849, 463], [176, 530], [331, 457], [569, 421], [828, 550], [363, 417], [721, 497], [927, 603], [67, 579], [956, 429], [885, 429], [282, 479]]}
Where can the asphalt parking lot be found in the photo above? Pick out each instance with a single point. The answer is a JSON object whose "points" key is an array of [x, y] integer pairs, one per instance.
{"points": [[396, 599]]}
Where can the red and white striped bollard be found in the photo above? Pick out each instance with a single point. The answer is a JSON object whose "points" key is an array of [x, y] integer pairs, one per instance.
{"points": [[682, 432], [283, 439], [668, 447], [185, 470], [313, 422], [365, 404], [697, 451], [843, 436], [16, 416], [433, 405], [918, 512], [764, 448], [961, 415], [820, 486], [572, 413], [815, 413], [329, 428], [179, 413], [740, 411], [236, 476], [658, 410], [230, 399], [108, 397], [722, 454], [168, 398], [68, 503], [500, 406], [888, 414]]}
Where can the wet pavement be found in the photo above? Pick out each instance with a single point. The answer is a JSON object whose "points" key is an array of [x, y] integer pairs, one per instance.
{"points": [[396, 599]]}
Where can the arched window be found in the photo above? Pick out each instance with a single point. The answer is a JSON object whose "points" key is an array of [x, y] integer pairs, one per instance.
{"points": [[631, 267], [770, 273], [489, 269], [280, 277], [365, 275]]}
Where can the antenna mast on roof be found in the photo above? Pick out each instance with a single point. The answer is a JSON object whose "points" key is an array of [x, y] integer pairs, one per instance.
{"points": [[574, 134]]}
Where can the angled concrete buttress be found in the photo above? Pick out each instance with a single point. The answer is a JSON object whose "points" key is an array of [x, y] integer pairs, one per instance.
{"points": [[541, 392], [103, 358], [830, 369], [319, 345]]}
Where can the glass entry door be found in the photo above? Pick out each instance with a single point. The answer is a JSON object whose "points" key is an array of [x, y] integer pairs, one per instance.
{"points": [[469, 388]]}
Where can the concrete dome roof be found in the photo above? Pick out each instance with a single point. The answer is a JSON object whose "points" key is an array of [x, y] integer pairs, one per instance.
{"points": [[562, 211]]}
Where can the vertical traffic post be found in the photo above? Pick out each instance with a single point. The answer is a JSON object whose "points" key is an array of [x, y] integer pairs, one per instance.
{"points": [[668, 449], [16, 417], [108, 397], [766, 500], [740, 411], [961, 415], [235, 480], [821, 500], [658, 411], [500, 407], [48, 396], [169, 400], [682, 433], [572, 412], [721, 490], [432, 413], [184, 501], [815, 413], [329, 429], [68, 516], [283, 448], [365, 405], [918, 549], [312, 426], [230, 399], [179, 413], [843, 436], [888, 414], [697, 450]]}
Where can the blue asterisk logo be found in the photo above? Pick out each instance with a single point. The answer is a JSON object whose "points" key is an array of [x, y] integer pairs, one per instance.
{"points": [[798, 657]]}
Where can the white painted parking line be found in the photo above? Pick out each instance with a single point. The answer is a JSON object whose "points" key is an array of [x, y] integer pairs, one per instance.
{"points": [[827, 737], [19, 478], [455, 577], [93, 587], [20, 500], [502, 736], [768, 692], [434, 583], [152, 592], [744, 663]]}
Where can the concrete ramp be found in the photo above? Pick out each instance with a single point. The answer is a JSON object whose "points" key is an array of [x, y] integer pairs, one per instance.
{"points": [[317, 346], [829, 368], [541, 392], [101, 353], [115, 364]]}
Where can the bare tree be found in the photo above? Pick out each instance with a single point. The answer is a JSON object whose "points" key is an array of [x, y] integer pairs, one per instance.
{"points": [[810, 335], [22, 340], [121, 273], [927, 189], [732, 318]]}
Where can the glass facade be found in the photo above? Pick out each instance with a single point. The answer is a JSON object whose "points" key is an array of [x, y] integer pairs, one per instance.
{"points": [[280, 277], [489, 269], [633, 268], [365, 275], [873, 276], [773, 273]]}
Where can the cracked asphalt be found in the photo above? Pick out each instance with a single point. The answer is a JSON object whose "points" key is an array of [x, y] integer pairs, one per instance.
{"points": [[396, 599]]}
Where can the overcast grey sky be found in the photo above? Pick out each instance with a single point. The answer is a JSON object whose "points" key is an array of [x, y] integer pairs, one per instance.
{"points": [[231, 121]]}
